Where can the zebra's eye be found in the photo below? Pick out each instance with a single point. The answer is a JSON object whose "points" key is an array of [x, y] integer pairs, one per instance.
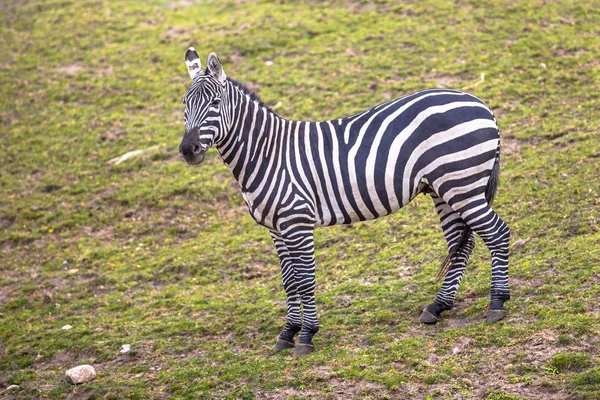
{"points": [[216, 102]]}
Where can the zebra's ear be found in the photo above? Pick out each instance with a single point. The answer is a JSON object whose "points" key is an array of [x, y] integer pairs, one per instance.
{"points": [[215, 68], [192, 61]]}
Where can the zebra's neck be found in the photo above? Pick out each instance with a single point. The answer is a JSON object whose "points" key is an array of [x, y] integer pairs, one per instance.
{"points": [[254, 135]]}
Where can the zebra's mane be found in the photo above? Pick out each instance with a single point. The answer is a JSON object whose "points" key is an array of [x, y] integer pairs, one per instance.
{"points": [[250, 93]]}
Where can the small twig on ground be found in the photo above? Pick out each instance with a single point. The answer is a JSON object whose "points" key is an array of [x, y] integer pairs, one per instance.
{"points": [[475, 84], [133, 153]]}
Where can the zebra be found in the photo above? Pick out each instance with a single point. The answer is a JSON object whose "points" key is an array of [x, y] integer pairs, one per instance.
{"points": [[298, 175]]}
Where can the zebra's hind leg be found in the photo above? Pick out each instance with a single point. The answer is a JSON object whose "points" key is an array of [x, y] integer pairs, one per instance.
{"points": [[293, 325], [480, 218], [454, 228], [496, 235]]}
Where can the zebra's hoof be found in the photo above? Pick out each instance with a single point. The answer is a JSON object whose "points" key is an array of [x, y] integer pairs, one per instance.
{"points": [[428, 318], [283, 345], [302, 349], [494, 315]]}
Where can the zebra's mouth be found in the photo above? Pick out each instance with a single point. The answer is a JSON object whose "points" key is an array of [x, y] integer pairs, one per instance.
{"points": [[196, 159]]}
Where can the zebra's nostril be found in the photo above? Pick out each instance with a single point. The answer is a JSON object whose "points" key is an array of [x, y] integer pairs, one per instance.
{"points": [[196, 149]]}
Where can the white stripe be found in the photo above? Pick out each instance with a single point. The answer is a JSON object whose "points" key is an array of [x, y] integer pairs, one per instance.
{"points": [[325, 217], [337, 170], [334, 211]]}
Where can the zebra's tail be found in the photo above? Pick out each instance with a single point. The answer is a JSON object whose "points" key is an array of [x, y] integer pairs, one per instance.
{"points": [[492, 186], [490, 193]]}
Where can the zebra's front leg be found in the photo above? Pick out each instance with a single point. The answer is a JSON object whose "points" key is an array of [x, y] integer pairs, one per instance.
{"points": [[293, 325], [300, 245]]}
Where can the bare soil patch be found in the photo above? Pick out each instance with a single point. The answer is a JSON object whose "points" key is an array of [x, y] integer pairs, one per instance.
{"points": [[341, 390], [443, 80], [509, 146], [71, 69]]}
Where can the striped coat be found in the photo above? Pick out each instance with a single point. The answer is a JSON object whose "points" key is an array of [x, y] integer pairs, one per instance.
{"points": [[297, 175]]}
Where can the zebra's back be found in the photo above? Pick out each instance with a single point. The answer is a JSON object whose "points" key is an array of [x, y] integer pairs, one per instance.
{"points": [[372, 163]]}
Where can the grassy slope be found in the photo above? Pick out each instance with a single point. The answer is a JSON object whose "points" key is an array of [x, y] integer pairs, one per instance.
{"points": [[164, 256]]}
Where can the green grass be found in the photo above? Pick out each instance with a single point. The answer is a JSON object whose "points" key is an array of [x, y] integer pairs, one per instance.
{"points": [[570, 362], [164, 257], [502, 395]]}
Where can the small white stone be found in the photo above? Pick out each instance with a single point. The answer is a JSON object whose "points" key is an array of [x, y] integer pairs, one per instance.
{"points": [[80, 374], [455, 350], [66, 328], [65, 262], [125, 348], [268, 63], [12, 388]]}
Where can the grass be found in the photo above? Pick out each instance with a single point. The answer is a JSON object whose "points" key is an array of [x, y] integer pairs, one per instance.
{"points": [[164, 257], [570, 361]]}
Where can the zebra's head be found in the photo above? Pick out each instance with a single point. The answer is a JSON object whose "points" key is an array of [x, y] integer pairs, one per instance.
{"points": [[204, 102]]}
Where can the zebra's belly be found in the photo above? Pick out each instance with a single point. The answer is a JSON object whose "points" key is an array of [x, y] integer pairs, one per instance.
{"points": [[346, 219], [333, 212]]}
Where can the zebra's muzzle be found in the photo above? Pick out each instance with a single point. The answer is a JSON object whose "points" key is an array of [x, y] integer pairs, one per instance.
{"points": [[192, 150], [195, 157]]}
